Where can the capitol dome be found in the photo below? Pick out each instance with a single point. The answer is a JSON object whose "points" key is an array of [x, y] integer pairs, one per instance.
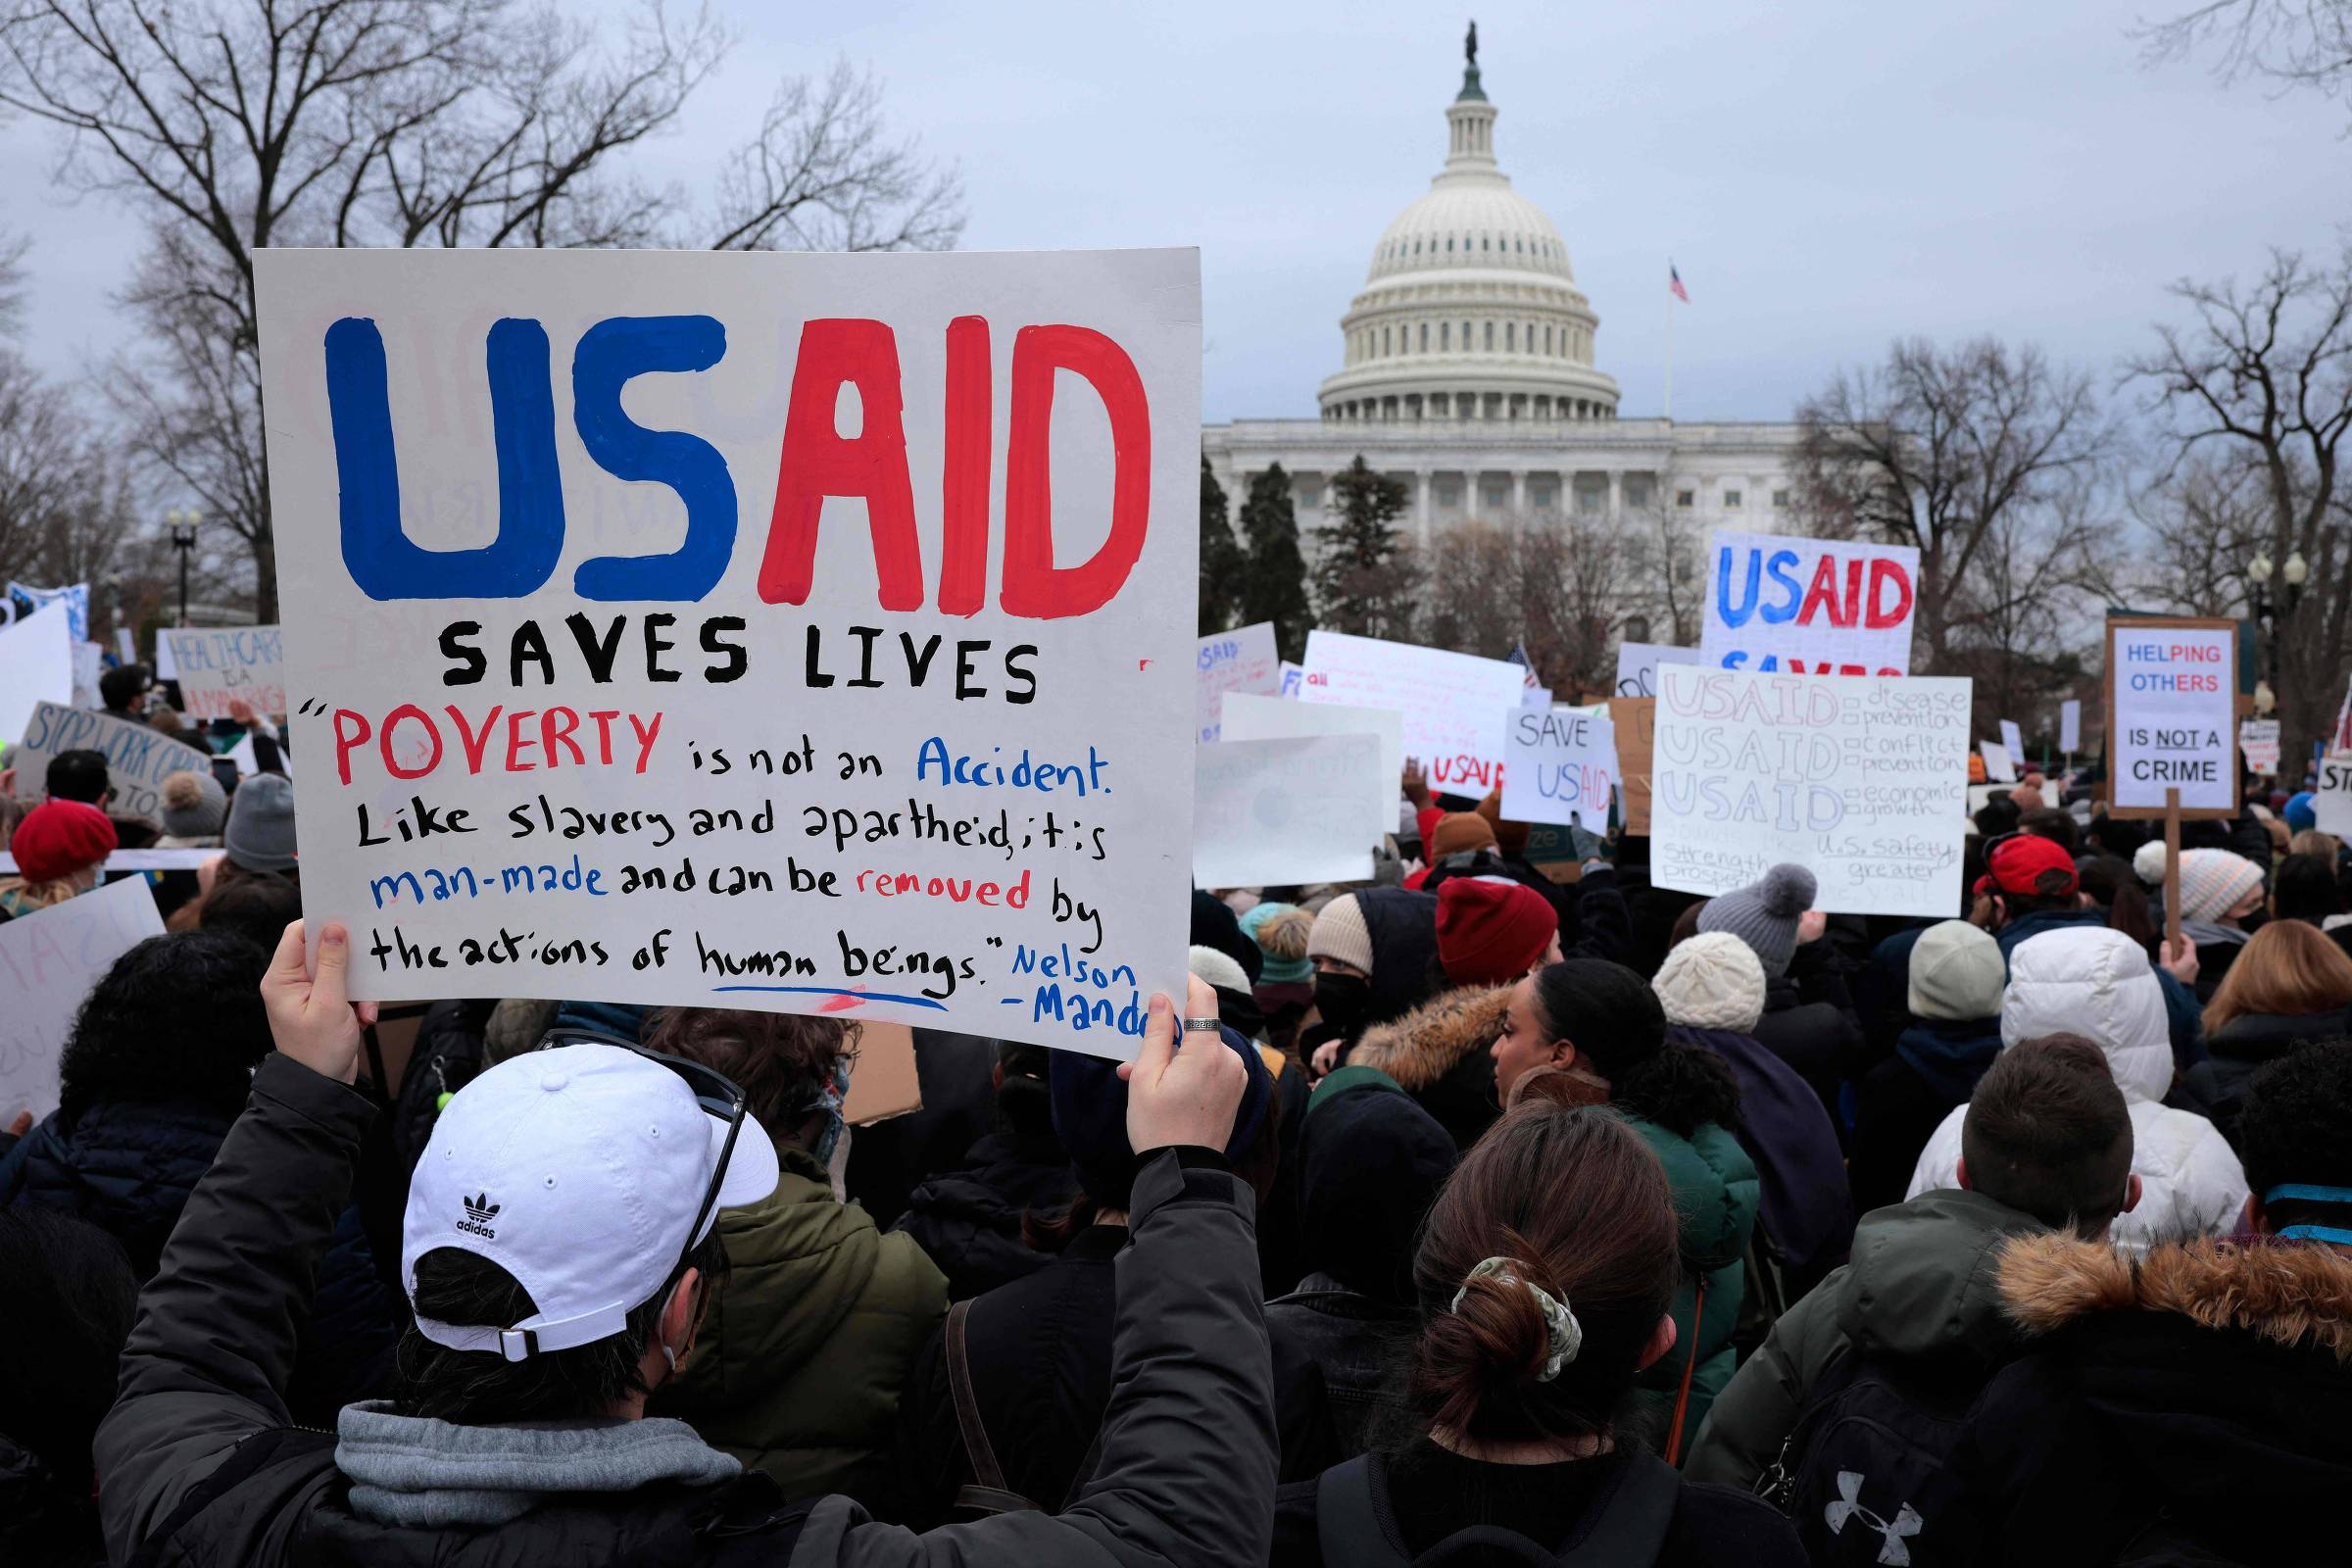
{"points": [[1470, 309]]}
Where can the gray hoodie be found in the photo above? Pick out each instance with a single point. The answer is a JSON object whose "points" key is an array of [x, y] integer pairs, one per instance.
{"points": [[420, 1473]]}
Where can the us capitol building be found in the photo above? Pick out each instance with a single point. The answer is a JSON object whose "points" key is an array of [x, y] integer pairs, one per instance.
{"points": [[1469, 374]]}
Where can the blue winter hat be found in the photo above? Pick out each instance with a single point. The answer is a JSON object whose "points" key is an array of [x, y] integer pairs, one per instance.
{"points": [[1090, 1115], [2302, 811]]}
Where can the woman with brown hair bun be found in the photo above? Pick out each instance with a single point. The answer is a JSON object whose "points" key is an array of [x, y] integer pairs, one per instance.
{"points": [[1544, 1277], [2290, 983]]}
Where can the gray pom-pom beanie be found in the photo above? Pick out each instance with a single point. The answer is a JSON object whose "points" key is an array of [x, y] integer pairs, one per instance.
{"points": [[1764, 914]]}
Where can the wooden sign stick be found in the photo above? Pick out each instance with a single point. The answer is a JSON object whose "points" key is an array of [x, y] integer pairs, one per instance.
{"points": [[2172, 871]]}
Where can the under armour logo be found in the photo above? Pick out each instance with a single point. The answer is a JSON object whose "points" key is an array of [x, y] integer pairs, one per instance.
{"points": [[1907, 1522], [479, 1213]]}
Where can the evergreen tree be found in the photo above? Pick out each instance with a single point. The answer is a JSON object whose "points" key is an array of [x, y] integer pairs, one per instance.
{"points": [[1274, 583], [1221, 561], [1365, 576]]}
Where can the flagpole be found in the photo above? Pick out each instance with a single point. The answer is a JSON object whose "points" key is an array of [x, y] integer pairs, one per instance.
{"points": [[1670, 344]]}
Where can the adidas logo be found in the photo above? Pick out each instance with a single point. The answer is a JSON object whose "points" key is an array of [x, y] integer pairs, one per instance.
{"points": [[479, 1213]]}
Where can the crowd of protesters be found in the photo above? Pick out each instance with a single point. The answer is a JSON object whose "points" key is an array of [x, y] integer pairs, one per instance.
{"points": [[1490, 1212]]}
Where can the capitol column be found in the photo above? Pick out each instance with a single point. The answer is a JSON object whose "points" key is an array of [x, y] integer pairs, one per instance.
{"points": [[1616, 493], [1421, 504], [1519, 494]]}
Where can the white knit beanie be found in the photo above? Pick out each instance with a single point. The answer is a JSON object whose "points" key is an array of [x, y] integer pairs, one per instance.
{"points": [[2213, 882], [1220, 969], [1341, 933], [1712, 981]]}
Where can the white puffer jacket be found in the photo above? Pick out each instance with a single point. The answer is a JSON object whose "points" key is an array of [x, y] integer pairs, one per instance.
{"points": [[2096, 982]]}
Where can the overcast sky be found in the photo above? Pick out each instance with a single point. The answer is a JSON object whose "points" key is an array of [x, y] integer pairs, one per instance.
{"points": [[1828, 176]]}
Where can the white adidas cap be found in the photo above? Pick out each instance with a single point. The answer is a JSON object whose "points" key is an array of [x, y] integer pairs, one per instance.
{"points": [[578, 1170]]}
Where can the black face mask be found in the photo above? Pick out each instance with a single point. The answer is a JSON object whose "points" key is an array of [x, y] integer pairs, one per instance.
{"points": [[1343, 1001]]}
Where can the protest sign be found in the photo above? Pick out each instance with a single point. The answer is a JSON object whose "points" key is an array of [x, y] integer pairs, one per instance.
{"points": [[1824, 606], [138, 758], [2014, 740], [1999, 766], [781, 630], [36, 666], [135, 860], [1237, 661], [1454, 704], [125, 647], [1250, 717], [1863, 779], [1634, 724], [2070, 726], [2258, 739], [25, 600], [89, 662], [1637, 665], [2331, 801], [1559, 764], [220, 664], [2172, 715], [1285, 811], [48, 961], [165, 670], [1292, 675]]}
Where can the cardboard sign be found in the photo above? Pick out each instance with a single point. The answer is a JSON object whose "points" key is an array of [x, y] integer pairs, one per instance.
{"points": [[1634, 724], [48, 961], [1237, 661], [1824, 606], [793, 631], [1250, 718], [1454, 704], [36, 666], [2258, 740], [885, 1082], [137, 758], [1637, 665], [1268, 812], [2070, 726], [2172, 715], [216, 666], [2331, 801], [1559, 765], [1999, 766], [1863, 779], [2015, 740]]}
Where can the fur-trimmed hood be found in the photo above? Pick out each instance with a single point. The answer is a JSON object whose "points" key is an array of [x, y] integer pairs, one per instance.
{"points": [[2287, 1293], [1431, 1040]]}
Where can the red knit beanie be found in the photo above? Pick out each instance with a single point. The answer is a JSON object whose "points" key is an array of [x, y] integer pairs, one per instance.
{"points": [[59, 838], [1488, 932]]}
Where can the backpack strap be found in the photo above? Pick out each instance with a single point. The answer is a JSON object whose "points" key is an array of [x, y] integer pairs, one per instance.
{"points": [[252, 1451], [1351, 1517], [1682, 1398], [1631, 1528], [988, 1493]]}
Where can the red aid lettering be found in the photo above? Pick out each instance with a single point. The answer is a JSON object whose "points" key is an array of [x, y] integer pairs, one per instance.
{"points": [[392, 723], [516, 740], [347, 742], [604, 717], [473, 740], [1824, 591], [554, 729], [965, 469], [1853, 591], [1032, 586], [1878, 617], [644, 739], [818, 461]]}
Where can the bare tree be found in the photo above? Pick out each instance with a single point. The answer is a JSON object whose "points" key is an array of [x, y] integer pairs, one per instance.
{"points": [[1557, 584], [2292, 43], [242, 123], [1665, 550], [2008, 627], [2202, 519], [1933, 450], [2263, 377]]}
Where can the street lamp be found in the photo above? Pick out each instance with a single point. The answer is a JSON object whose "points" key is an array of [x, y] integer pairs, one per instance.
{"points": [[183, 521], [2267, 610]]}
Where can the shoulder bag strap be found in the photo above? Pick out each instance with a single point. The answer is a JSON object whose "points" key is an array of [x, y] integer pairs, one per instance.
{"points": [[1681, 1398], [990, 1495]]}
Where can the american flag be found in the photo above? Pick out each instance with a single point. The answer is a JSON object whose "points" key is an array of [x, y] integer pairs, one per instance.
{"points": [[1674, 285]]}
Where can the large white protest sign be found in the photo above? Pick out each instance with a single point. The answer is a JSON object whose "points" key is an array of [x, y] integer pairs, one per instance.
{"points": [[1250, 718], [780, 630], [36, 666], [2258, 740], [48, 961], [216, 666], [1637, 665], [1454, 704], [1999, 766], [1864, 779], [1238, 660], [138, 758], [1824, 606], [2331, 801], [2172, 715], [1559, 764], [2070, 726], [1285, 811]]}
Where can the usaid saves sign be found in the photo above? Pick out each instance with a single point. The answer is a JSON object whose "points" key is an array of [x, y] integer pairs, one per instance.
{"points": [[1809, 607]]}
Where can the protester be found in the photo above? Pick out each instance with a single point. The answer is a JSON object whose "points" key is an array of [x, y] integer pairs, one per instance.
{"points": [[59, 847], [1543, 1281], [2190, 1405], [2306, 887], [2289, 984], [83, 775], [2098, 985], [194, 810], [1286, 977], [1494, 933], [124, 691], [547, 1457], [150, 1084], [1372, 1162], [1375, 958], [1713, 990], [2219, 891], [1809, 1019], [1236, 1000], [1454, 839], [260, 832], [1956, 978], [69, 1293], [969, 1218], [255, 908], [1871, 1374], [1589, 1032]]}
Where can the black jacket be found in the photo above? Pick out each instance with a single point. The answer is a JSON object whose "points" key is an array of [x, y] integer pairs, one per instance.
{"points": [[41, 1522], [968, 1219], [1809, 1023], [1186, 1477], [2216, 1087], [1900, 1101], [1351, 1348], [889, 1158]]}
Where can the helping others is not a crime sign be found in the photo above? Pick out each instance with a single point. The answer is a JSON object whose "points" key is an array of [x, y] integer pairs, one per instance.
{"points": [[787, 632], [2172, 715]]}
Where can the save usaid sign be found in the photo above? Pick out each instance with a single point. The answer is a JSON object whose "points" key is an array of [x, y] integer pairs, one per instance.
{"points": [[1809, 607]]}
